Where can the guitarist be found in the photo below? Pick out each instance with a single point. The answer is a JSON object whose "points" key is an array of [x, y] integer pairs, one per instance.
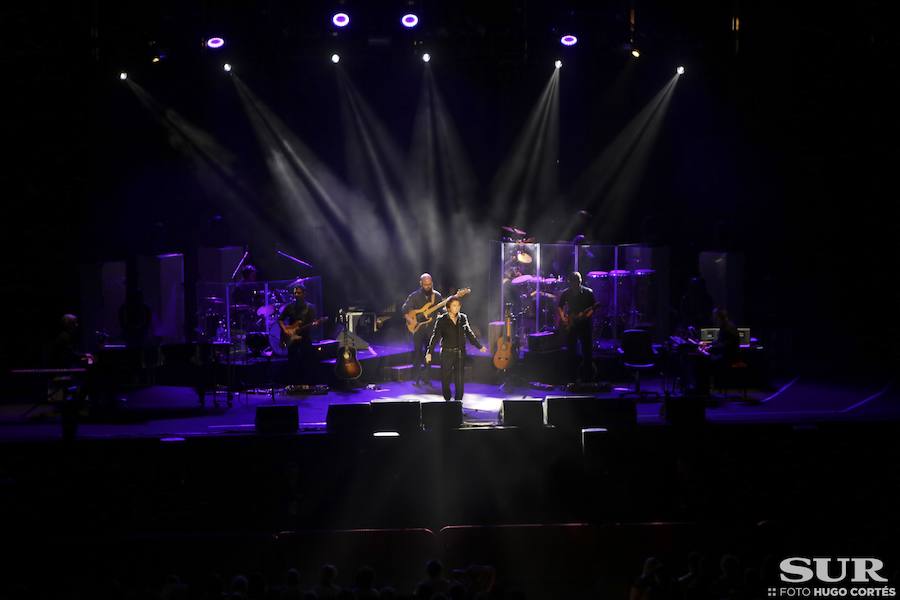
{"points": [[416, 300], [299, 345], [575, 310]]}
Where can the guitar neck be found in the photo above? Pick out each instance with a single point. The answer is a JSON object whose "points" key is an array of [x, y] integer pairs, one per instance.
{"points": [[436, 307]]}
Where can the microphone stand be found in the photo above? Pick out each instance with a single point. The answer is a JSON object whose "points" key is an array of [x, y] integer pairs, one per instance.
{"points": [[239, 265], [294, 259]]}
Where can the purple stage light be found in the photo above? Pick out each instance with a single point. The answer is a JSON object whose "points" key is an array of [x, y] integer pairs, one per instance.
{"points": [[568, 40], [341, 19], [410, 20], [215, 43]]}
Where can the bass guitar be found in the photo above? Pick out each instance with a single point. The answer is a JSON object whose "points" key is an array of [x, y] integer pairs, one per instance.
{"points": [[420, 317], [566, 320]]}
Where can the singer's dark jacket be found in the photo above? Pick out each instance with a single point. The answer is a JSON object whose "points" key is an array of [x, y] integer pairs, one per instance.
{"points": [[452, 337]]}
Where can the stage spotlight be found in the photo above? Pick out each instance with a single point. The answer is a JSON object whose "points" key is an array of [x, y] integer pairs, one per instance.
{"points": [[155, 59], [215, 43], [680, 70], [410, 20], [636, 53], [341, 19], [568, 40], [227, 67], [123, 75], [426, 57], [335, 58], [558, 64]]}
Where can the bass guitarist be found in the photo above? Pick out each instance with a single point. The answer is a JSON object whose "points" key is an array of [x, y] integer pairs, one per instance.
{"points": [[296, 337], [575, 308], [426, 294]]}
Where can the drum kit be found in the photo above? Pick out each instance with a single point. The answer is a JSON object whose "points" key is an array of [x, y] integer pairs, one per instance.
{"points": [[624, 300], [252, 313], [532, 296]]}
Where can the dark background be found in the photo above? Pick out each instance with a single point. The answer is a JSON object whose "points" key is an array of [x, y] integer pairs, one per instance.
{"points": [[782, 150]]}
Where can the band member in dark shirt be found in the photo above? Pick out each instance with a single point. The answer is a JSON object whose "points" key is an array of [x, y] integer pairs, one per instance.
{"points": [[452, 330], [64, 351], [725, 348], [700, 366], [575, 308], [299, 344], [245, 289], [417, 299]]}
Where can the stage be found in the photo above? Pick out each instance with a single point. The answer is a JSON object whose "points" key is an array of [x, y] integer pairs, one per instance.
{"points": [[161, 411]]}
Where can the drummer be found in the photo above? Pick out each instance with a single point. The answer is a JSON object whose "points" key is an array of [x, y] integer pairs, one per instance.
{"points": [[244, 291]]}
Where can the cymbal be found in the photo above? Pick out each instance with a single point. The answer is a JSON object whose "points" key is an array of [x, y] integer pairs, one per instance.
{"points": [[240, 307], [213, 300], [512, 230], [298, 281], [266, 311], [544, 294], [524, 257], [521, 279]]}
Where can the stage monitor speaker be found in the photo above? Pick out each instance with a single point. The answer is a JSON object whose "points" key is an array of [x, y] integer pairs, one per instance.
{"points": [[439, 416], [578, 412], [684, 411], [349, 419], [403, 417], [522, 413], [277, 418]]}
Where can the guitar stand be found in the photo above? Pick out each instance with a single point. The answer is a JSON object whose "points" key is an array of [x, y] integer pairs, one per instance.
{"points": [[511, 376]]}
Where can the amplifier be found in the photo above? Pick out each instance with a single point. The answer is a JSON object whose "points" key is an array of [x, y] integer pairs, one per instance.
{"points": [[544, 341]]}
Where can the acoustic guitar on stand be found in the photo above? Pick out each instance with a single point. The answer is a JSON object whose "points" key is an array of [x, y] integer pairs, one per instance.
{"points": [[418, 317], [504, 354]]}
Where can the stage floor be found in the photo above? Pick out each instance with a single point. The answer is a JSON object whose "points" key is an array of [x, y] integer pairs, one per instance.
{"points": [[162, 411]]}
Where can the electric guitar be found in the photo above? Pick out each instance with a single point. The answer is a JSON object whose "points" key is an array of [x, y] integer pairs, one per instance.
{"points": [[293, 333], [566, 320], [418, 317], [503, 355]]}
